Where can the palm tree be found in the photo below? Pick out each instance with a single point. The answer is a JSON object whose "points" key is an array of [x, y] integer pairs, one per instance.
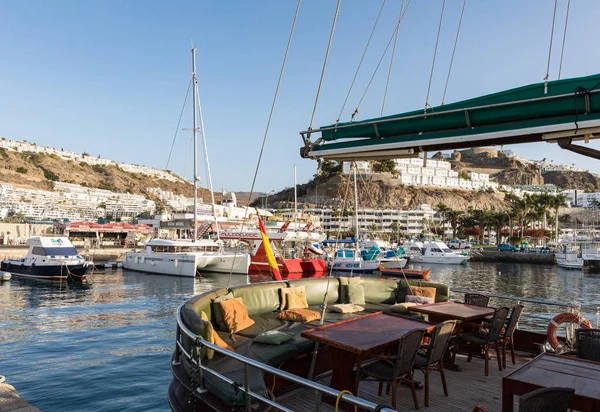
{"points": [[557, 202], [454, 219], [443, 210]]}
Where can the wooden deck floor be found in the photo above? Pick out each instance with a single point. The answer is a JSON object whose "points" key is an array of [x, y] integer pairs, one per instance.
{"points": [[467, 388]]}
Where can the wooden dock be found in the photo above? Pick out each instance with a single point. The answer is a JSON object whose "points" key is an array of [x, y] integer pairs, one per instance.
{"points": [[466, 390]]}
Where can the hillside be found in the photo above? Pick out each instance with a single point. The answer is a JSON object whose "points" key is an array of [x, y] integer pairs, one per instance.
{"points": [[381, 191], [39, 170]]}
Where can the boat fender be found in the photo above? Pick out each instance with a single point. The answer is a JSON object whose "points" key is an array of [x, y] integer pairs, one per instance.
{"points": [[176, 262], [142, 259], [560, 319], [136, 259]]}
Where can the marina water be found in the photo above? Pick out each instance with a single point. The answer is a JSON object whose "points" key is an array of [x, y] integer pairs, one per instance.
{"points": [[106, 346]]}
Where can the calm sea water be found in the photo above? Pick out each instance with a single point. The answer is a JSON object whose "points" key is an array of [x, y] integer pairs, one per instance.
{"points": [[106, 346]]}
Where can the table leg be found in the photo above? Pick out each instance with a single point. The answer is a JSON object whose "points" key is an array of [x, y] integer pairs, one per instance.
{"points": [[342, 363], [507, 397]]}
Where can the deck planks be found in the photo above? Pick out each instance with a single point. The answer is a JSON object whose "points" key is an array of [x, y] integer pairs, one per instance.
{"points": [[466, 390]]}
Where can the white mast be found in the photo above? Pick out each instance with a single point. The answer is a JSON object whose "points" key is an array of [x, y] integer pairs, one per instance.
{"points": [[197, 98], [356, 205], [195, 146], [295, 201]]}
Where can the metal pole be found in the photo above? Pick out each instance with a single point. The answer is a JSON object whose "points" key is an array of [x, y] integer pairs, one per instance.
{"points": [[295, 201], [247, 386], [195, 145]]}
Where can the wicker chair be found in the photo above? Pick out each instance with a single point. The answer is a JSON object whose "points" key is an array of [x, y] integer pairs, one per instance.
{"points": [[395, 369], [432, 359], [507, 336], [487, 340], [476, 299], [587, 344], [542, 400]]}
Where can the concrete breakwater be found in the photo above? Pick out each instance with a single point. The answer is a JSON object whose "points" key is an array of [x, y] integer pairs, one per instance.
{"points": [[492, 255], [96, 255]]}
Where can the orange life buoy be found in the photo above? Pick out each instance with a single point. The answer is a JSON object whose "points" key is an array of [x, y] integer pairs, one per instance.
{"points": [[560, 319]]}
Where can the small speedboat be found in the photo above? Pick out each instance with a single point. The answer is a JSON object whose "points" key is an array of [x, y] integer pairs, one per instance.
{"points": [[405, 273], [49, 258], [570, 261]]}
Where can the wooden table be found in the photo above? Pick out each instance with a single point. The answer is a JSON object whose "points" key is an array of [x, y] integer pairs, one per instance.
{"points": [[352, 339], [548, 370], [441, 311]]}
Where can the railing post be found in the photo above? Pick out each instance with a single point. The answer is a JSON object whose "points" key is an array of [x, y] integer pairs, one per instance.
{"points": [[247, 386]]}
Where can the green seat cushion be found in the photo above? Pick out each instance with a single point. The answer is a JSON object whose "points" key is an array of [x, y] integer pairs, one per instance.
{"points": [[379, 290], [273, 337], [315, 290], [377, 307], [262, 323], [356, 294], [259, 298]]}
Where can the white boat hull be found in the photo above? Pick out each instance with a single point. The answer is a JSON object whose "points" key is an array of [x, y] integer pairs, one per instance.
{"points": [[350, 265], [187, 264], [445, 260], [393, 263]]}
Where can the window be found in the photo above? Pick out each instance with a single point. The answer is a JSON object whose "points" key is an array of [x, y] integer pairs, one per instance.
{"points": [[39, 251], [60, 251]]}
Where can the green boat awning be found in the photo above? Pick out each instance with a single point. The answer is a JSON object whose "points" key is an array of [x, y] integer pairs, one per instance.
{"points": [[561, 109]]}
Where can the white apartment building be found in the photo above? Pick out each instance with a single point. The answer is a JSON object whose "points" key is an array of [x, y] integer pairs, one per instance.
{"points": [[429, 173], [551, 167], [411, 222], [579, 198]]}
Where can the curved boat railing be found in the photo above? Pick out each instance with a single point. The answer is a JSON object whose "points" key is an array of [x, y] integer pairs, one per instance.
{"points": [[321, 389]]}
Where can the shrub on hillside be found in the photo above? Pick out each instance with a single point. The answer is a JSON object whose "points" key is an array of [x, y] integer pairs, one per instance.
{"points": [[21, 170]]}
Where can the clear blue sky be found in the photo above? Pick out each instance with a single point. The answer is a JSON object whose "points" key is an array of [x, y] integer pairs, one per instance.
{"points": [[110, 77]]}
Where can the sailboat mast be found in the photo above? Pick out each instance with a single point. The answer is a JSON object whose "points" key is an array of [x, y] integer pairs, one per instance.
{"points": [[195, 145], [295, 201], [206, 162], [356, 205]]}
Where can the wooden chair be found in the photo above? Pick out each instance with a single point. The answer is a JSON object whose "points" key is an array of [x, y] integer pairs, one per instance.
{"points": [[507, 335], [487, 340], [432, 359], [395, 369], [587, 344], [542, 400], [476, 299]]}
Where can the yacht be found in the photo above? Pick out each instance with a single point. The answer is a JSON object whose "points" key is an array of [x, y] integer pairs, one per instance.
{"points": [[389, 257], [590, 252], [350, 260], [570, 261], [438, 252], [185, 258], [49, 258]]}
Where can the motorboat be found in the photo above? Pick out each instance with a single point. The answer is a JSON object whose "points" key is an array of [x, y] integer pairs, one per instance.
{"points": [[350, 260], [49, 258], [438, 252], [388, 257], [571, 261], [185, 257]]}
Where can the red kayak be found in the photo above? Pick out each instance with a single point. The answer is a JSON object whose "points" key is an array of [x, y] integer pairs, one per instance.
{"points": [[402, 273]]}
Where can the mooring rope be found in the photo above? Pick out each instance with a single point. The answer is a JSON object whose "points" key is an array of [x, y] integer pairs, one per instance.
{"points": [[562, 50], [437, 39], [454, 50]]}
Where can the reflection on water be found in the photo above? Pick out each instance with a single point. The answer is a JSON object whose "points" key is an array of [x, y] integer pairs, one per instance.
{"points": [[105, 345]]}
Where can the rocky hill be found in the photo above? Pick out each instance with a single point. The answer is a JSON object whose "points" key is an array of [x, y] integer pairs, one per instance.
{"points": [[39, 170], [380, 191]]}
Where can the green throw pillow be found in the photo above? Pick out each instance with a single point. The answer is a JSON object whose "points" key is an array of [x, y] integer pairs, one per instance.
{"points": [[274, 337], [344, 282], [356, 294]]}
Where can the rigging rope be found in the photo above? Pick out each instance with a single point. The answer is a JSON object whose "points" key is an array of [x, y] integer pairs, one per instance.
{"points": [[550, 50], [454, 50], [262, 148], [360, 62], [387, 83], [178, 123], [337, 9], [380, 60], [434, 56], [562, 50]]}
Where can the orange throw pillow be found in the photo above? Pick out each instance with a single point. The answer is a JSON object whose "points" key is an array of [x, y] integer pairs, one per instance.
{"points": [[299, 315], [423, 291], [220, 342], [235, 315]]}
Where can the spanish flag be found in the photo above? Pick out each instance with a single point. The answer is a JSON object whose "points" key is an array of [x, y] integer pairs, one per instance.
{"points": [[267, 245]]}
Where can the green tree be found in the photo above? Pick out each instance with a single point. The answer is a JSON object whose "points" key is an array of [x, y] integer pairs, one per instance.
{"points": [[453, 217], [442, 210], [385, 166], [21, 170], [328, 168]]}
